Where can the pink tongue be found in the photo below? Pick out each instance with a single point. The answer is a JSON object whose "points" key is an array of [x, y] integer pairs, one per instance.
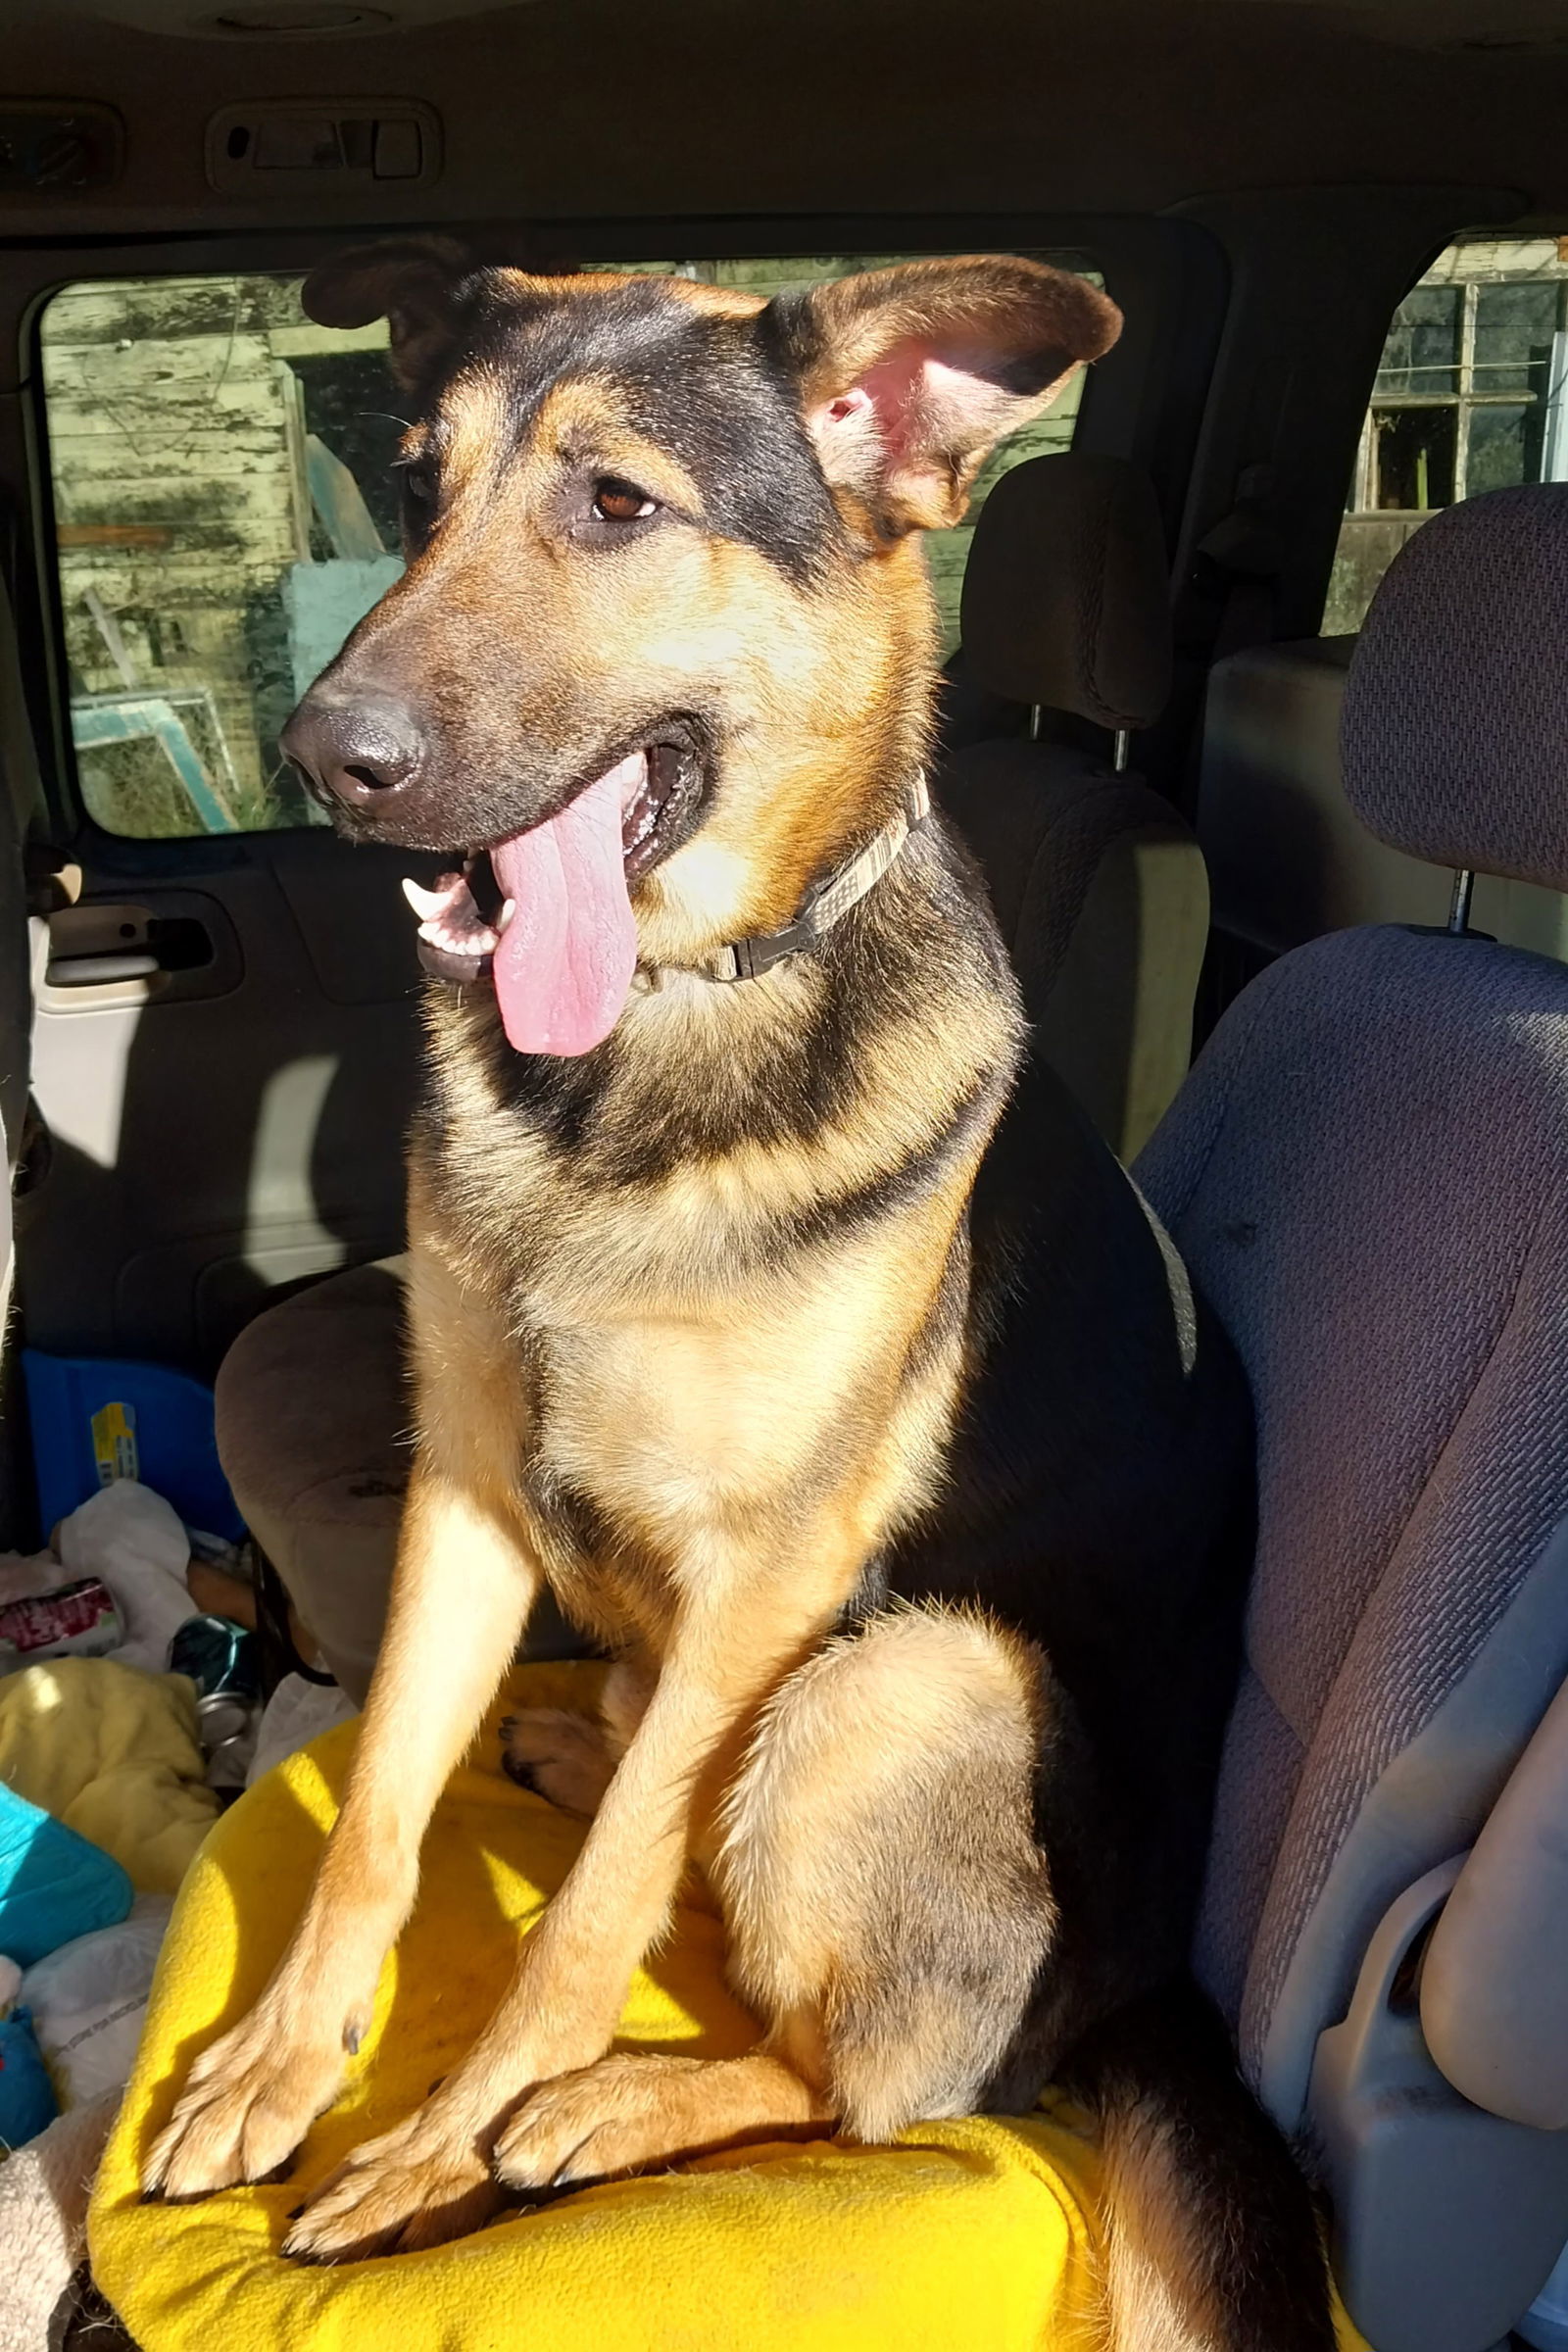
{"points": [[565, 962]]}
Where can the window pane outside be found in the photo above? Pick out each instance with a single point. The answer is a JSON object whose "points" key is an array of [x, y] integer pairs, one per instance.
{"points": [[1414, 457], [1503, 447], [1422, 352], [1471, 395], [225, 511], [1513, 331]]}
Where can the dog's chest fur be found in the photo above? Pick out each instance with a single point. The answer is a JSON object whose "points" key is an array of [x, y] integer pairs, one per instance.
{"points": [[727, 1287]]}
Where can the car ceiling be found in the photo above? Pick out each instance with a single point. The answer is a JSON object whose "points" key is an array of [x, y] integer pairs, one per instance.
{"points": [[580, 108]]}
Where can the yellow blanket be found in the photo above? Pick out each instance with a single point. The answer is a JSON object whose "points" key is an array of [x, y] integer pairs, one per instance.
{"points": [[978, 2234], [112, 1752]]}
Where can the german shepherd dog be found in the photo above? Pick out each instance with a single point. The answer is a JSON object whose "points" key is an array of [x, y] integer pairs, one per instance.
{"points": [[765, 1305]]}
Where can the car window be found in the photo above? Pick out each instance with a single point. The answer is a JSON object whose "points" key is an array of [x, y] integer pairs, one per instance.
{"points": [[224, 513], [1471, 395]]}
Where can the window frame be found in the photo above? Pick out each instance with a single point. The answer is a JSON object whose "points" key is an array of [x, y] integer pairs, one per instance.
{"points": [[1465, 400], [1144, 401]]}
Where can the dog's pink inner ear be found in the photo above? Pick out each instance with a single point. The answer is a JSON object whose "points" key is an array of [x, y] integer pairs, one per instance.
{"points": [[910, 434], [913, 374]]}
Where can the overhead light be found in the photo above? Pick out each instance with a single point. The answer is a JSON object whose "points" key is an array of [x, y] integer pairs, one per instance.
{"points": [[294, 19]]}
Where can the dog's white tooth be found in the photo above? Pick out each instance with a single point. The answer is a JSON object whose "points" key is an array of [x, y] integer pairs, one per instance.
{"points": [[633, 774], [428, 905], [476, 941], [508, 910]]}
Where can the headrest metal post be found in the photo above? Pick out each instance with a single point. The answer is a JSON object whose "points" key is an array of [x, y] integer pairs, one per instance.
{"points": [[1465, 882], [1035, 716], [1121, 744]]}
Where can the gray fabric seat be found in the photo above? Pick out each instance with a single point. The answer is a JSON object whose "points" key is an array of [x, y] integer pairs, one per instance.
{"points": [[1097, 884], [1367, 1171]]}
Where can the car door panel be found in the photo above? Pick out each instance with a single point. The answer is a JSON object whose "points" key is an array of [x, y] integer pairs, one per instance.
{"points": [[210, 1143]]}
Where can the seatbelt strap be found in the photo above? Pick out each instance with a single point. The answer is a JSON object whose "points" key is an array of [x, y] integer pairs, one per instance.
{"points": [[23, 812], [19, 757], [1243, 548], [1247, 616]]}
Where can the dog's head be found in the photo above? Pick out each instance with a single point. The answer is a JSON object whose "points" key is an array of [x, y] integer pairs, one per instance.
{"points": [[663, 649]]}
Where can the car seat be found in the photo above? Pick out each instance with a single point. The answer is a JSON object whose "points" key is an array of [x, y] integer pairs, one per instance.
{"points": [[1367, 1171], [1098, 883]]}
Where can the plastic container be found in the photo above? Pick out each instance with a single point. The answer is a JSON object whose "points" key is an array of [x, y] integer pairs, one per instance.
{"points": [[88, 2000], [95, 1420]]}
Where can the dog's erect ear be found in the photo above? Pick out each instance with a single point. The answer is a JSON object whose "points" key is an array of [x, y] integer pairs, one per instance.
{"points": [[411, 282], [912, 376]]}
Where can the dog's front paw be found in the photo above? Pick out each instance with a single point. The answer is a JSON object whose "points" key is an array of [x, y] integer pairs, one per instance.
{"points": [[418, 2185], [624, 2115], [561, 1757], [250, 2101]]}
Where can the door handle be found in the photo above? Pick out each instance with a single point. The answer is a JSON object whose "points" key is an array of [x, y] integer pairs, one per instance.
{"points": [[107, 970], [105, 955], [97, 945]]}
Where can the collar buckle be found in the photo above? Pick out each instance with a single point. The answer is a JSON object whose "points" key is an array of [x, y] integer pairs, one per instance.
{"points": [[749, 959]]}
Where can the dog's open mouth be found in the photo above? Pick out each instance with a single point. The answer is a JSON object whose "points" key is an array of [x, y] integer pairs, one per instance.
{"points": [[547, 913]]}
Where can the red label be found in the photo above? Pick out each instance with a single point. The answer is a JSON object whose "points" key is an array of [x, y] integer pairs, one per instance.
{"points": [[82, 1614]]}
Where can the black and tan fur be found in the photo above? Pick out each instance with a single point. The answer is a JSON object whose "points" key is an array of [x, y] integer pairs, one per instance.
{"points": [[887, 1451]]}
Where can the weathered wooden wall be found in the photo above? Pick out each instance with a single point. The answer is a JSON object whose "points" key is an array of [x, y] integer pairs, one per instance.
{"points": [[177, 454]]}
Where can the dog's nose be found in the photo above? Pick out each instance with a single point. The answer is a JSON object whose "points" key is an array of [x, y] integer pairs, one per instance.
{"points": [[355, 752]]}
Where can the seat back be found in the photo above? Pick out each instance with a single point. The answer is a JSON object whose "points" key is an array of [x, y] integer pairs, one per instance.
{"points": [[1365, 1172], [1288, 858], [1097, 884]]}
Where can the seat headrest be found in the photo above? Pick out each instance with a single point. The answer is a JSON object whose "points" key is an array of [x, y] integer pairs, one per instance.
{"points": [[1455, 733], [1066, 594]]}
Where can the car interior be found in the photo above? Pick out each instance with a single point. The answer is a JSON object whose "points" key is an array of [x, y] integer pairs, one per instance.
{"points": [[1254, 716]]}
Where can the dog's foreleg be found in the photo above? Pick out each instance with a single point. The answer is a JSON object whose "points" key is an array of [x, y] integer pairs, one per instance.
{"points": [[730, 1651], [465, 1582], [636, 2109]]}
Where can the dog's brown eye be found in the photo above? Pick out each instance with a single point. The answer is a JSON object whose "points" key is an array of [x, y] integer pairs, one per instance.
{"points": [[620, 502]]}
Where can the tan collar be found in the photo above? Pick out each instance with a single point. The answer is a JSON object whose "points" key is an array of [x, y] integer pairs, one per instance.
{"points": [[749, 959]]}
